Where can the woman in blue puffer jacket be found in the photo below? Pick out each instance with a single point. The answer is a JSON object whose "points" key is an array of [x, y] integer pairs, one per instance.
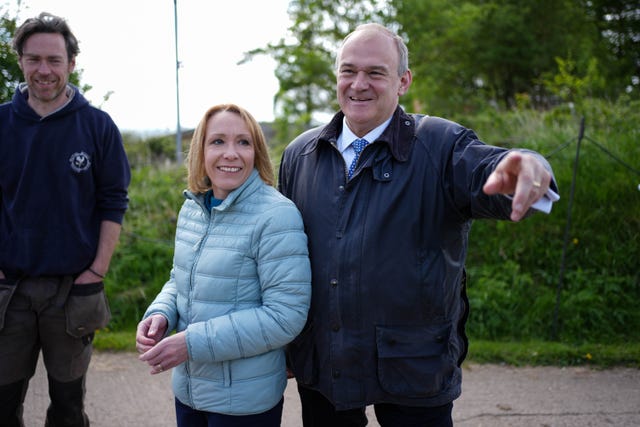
{"points": [[239, 289]]}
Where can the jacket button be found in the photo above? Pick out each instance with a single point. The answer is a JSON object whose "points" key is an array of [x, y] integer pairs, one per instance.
{"points": [[335, 327], [334, 283], [335, 373], [341, 189]]}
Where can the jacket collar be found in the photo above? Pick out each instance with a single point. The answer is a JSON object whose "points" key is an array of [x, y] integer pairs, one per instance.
{"points": [[398, 135], [247, 188]]}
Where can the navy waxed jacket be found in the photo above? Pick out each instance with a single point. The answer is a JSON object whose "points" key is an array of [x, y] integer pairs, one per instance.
{"points": [[387, 250]]}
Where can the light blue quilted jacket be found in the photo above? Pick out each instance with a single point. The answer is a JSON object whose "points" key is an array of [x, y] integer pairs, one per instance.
{"points": [[240, 286]]}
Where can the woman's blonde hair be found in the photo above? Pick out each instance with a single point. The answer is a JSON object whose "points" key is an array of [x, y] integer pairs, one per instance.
{"points": [[198, 181]]}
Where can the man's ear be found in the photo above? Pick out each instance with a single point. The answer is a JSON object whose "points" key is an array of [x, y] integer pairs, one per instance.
{"points": [[405, 82], [72, 65]]}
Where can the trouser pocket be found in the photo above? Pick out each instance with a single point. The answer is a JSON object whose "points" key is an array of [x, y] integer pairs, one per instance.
{"points": [[7, 288], [86, 309]]}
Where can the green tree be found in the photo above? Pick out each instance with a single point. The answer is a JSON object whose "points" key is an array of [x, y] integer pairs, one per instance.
{"points": [[570, 87], [10, 73], [465, 53], [618, 24], [305, 58], [438, 33]]}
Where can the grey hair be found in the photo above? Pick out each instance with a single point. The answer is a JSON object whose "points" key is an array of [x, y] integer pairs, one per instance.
{"points": [[401, 47]]}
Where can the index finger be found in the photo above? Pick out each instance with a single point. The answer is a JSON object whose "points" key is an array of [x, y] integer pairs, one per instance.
{"points": [[532, 184], [503, 178]]}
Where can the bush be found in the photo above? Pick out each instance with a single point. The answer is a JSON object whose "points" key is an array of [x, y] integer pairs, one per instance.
{"points": [[515, 270], [143, 259]]}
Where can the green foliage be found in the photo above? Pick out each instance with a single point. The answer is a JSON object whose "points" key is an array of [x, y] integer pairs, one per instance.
{"points": [[515, 353], [305, 58], [467, 53], [10, 73], [618, 26], [568, 86], [142, 261], [153, 150], [540, 353], [515, 269], [106, 340]]}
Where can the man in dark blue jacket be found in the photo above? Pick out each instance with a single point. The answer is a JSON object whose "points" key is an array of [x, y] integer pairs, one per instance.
{"points": [[63, 194], [387, 200]]}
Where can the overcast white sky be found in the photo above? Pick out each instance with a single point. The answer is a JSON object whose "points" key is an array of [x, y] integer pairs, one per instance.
{"points": [[127, 47]]}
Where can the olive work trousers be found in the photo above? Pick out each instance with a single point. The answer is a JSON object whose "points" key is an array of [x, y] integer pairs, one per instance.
{"points": [[35, 321]]}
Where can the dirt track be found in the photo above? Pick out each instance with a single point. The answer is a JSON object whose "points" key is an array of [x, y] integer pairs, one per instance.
{"points": [[121, 393]]}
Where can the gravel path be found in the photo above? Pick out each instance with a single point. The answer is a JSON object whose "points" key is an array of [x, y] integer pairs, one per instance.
{"points": [[121, 393]]}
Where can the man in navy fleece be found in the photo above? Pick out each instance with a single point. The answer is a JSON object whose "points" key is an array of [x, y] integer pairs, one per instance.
{"points": [[64, 176]]}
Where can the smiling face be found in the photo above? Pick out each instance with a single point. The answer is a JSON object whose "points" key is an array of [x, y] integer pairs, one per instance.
{"points": [[368, 85], [229, 153], [46, 68]]}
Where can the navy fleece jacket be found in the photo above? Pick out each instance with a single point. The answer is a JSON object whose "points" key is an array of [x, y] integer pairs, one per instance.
{"points": [[60, 176]]}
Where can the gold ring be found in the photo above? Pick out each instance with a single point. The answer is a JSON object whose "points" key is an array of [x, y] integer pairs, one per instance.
{"points": [[159, 367], [536, 184]]}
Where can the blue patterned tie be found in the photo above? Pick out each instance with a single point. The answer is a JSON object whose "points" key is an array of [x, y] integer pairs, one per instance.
{"points": [[358, 145]]}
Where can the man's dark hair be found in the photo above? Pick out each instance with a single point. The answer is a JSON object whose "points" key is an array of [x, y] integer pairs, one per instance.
{"points": [[46, 23]]}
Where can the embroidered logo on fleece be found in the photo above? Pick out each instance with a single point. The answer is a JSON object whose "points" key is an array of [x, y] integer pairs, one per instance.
{"points": [[80, 162]]}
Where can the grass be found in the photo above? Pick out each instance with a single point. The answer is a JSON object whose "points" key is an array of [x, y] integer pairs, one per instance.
{"points": [[531, 353], [544, 353], [106, 340]]}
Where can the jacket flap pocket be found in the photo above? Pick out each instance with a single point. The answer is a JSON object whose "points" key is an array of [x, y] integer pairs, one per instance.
{"points": [[412, 341]]}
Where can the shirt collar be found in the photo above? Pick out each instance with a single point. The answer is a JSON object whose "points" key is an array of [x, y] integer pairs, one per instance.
{"points": [[347, 136]]}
